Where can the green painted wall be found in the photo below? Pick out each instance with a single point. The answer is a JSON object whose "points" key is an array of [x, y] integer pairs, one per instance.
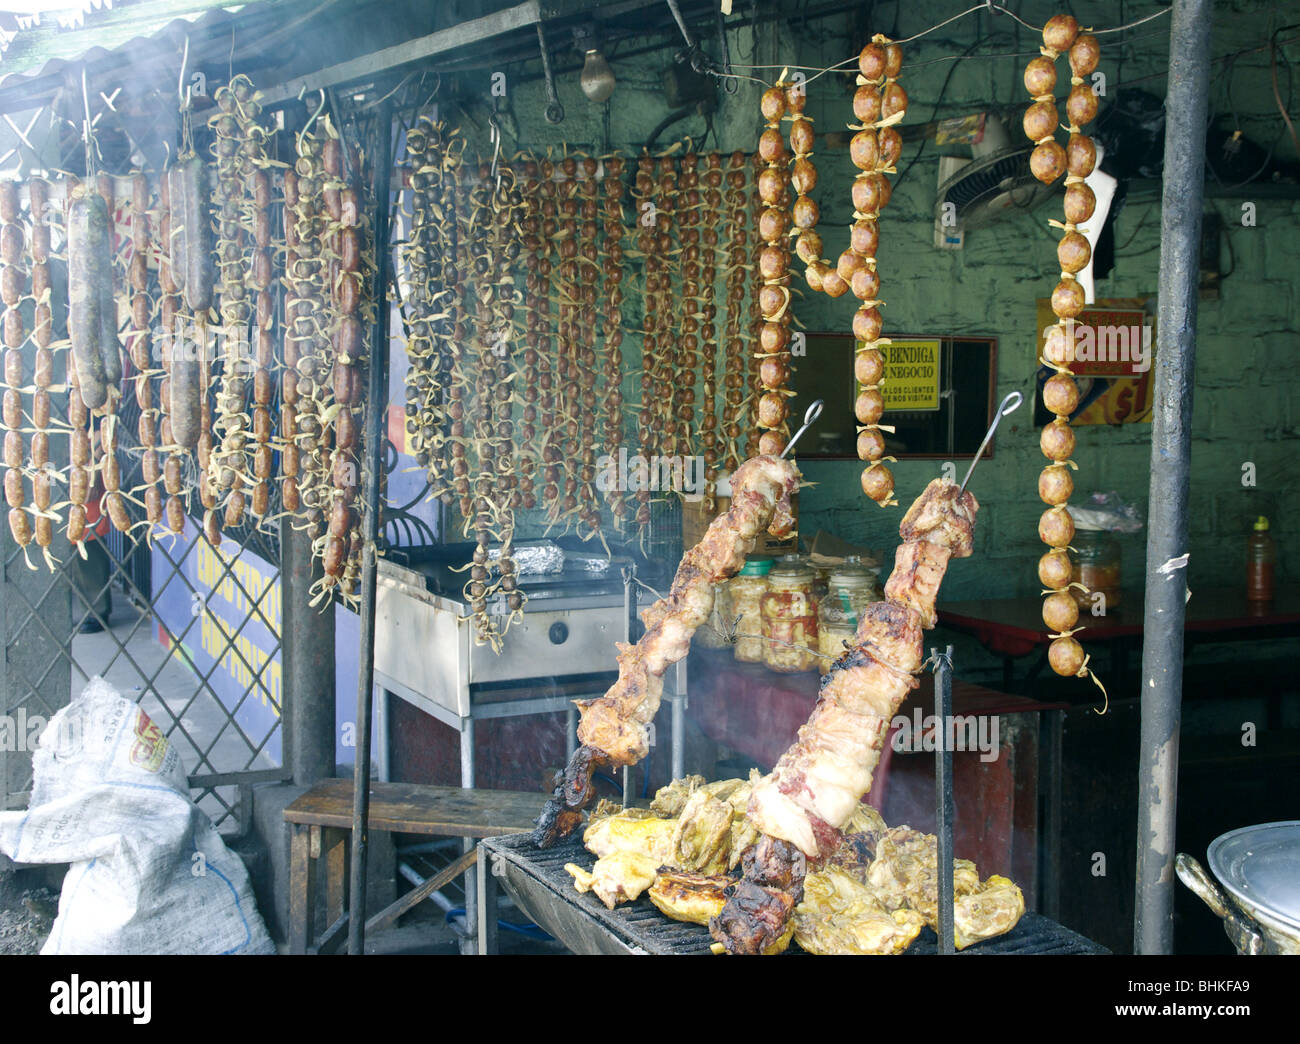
{"points": [[1247, 339]]}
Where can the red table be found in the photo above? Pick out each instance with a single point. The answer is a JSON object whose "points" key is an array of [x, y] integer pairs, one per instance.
{"points": [[1013, 627], [757, 712]]}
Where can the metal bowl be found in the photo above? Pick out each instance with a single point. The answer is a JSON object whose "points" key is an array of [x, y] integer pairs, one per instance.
{"points": [[1259, 868]]}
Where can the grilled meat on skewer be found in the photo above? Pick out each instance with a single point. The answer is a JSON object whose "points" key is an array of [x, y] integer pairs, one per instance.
{"points": [[613, 729], [818, 784]]}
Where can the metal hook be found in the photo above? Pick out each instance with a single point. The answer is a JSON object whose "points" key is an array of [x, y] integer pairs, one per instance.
{"points": [[311, 119], [181, 92], [814, 411], [494, 136], [86, 138], [1008, 405]]}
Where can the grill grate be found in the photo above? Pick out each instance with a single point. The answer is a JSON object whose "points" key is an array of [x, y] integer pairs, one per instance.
{"points": [[641, 926]]}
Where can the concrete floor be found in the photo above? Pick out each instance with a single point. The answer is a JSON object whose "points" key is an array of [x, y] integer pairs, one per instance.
{"points": [[209, 742]]}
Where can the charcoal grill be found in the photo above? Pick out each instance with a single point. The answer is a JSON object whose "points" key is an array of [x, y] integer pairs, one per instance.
{"points": [[537, 882]]}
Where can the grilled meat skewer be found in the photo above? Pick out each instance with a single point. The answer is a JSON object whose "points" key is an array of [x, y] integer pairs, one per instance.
{"points": [[818, 783], [613, 729]]}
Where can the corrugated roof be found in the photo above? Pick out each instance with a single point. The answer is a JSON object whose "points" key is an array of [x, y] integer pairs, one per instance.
{"points": [[36, 54]]}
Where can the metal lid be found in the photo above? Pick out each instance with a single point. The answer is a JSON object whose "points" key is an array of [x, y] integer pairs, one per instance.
{"points": [[850, 569], [791, 567], [756, 567]]}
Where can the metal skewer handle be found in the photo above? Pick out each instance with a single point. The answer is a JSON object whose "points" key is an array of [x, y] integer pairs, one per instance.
{"points": [[814, 411], [1008, 405]]}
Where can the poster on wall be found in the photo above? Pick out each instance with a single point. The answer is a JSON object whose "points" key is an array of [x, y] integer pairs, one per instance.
{"points": [[1114, 357], [911, 375], [225, 630], [225, 623]]}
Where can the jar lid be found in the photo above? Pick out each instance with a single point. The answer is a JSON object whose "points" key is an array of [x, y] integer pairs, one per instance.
{"points": [[756, 567], [791, 567], [850, 569], [1261, 524]]}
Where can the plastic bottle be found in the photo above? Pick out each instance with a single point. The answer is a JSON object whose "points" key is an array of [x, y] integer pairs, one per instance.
{"points": [[1261, 553]]}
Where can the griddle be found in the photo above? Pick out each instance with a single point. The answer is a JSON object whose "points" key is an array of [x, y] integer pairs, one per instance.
{"points": [[540, 886]]}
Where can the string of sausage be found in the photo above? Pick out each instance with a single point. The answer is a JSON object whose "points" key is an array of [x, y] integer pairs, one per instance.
{"points": [[139, 340], [255, 217], [307, 301], [227, 465], [544, 338], [710, 441], [774, 271], [647, 247], [588, 287], [425, 255], [687, 339], [566, 347], [172, 346], [351, 275], [12, 282], [753, 361], [534, 431], [735, 331], [611, 413], [1060, 393], [113, 502]]}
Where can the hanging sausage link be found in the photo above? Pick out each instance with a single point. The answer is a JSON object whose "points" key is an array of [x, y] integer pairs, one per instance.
{"points": [[774, 270], [588, 270], [12, 280], [710, 442], [1048, 161], [735, 330], [879, 103], [426, 254], [611, 412], [647, 247], [38, 258], [530, 226], [227, 468]]}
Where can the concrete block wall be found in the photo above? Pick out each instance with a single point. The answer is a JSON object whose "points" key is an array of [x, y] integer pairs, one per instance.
{"points": [[1247, 338]]}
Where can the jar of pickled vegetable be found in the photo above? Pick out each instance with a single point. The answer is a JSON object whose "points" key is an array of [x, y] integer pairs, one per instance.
{"points": [[745, 593], [850, 590], [789, 613], [714, 633], [1095, 564]]}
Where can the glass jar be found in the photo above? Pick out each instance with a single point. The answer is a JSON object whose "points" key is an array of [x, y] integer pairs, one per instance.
{"points": [[789, 613], [1095, 564], [745, 593], [851, 589], [716, 629]]}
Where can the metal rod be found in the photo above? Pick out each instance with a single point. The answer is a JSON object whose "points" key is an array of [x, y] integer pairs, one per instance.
{"points": [[554, 111], [814, 411], [376, 424], [943, 799], [308, 663], [1166, 585], [1008, 405], [681, 24]]}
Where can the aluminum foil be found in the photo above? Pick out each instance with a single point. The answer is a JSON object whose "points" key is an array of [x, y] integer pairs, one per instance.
{"points": [[533, 558]]}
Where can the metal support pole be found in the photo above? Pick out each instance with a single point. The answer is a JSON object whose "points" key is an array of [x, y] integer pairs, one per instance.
{"points": [[308, 636], [943, 801], [376, 423], [1186, 106]]}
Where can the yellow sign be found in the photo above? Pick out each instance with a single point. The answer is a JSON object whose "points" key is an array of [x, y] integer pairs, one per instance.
{"points": [[911, 376]]}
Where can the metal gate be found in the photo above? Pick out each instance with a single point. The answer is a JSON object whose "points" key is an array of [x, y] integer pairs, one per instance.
{"points": [[175, 639]]}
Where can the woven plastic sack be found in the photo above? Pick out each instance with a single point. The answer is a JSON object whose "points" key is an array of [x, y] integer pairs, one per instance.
{"points": [[149, 873]]}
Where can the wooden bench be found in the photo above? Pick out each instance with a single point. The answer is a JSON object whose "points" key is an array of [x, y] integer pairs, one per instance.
{"points": [[321, 821]]}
